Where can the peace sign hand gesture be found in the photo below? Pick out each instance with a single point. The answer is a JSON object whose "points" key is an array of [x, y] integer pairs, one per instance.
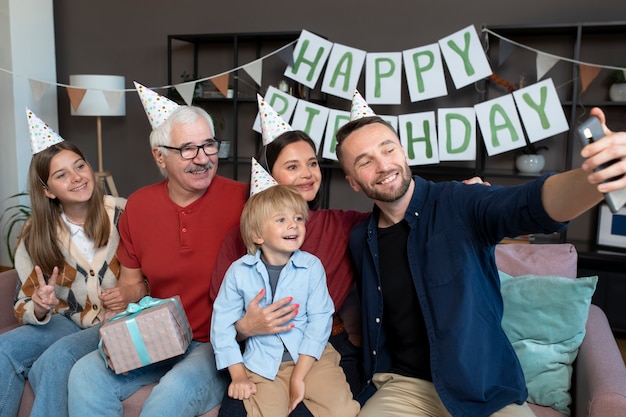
{"points": [[44, 296]]}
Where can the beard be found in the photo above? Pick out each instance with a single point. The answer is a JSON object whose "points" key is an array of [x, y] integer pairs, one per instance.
{"points": [[389, 196]]}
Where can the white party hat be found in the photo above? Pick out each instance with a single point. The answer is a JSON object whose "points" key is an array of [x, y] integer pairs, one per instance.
{"points": [[41, 136], [272, 125], [260, 179], [360, 108], [158, 108]]}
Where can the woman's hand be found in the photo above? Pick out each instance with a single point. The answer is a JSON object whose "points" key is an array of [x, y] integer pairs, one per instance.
{"points": [[266, 320], [44, 297]]}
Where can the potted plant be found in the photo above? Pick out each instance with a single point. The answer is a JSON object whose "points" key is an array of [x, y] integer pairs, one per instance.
{"points": [[617, 91], [13, 218], [530, 160]]}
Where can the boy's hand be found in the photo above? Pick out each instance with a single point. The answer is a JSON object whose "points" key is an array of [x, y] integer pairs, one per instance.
{"points": [[241, 388]]}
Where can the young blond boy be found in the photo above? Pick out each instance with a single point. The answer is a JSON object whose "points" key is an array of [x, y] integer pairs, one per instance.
{"points": [[278, 371]]}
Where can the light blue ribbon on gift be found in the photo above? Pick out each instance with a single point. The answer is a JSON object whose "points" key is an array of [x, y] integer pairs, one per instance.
{"points": [[132, 310]]}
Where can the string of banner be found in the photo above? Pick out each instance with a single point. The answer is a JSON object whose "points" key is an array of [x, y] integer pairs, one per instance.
{"points": [[500, 119]]}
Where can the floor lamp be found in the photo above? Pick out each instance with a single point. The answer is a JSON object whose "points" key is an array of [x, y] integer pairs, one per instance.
{"points": [[104, 96]]}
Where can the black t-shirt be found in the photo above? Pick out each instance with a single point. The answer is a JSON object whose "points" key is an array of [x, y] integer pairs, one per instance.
{"points": [[402, 316]]}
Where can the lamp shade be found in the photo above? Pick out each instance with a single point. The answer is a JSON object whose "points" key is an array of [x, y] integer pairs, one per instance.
{"points": [[105, 95]]}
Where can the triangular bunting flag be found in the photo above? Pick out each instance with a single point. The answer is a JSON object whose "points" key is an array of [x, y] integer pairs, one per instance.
{"points": [[38, 89], [76, 96], [588, 73], [221, 83], [255, 71], [186, 91], [545, 64], [113, 99], [506, 49], [286, 54]]}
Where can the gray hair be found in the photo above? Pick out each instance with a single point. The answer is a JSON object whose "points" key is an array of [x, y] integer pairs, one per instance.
{"points": [[183, 115]]}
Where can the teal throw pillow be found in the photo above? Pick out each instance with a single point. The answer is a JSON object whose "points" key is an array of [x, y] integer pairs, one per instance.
{"points": [[545, 318]]}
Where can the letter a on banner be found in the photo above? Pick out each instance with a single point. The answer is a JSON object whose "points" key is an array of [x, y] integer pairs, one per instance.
{"points": [[465, 57], [500, 125], [309, 58], [343, 70]]}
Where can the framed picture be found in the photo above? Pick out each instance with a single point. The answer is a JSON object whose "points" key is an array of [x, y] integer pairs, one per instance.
{"points": [[611, 227]]}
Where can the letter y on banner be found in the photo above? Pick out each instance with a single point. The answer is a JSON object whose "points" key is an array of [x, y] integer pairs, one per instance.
{"points": [[465, 57]]}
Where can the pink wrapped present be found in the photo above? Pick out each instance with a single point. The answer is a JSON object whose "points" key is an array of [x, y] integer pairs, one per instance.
{"points": [[147, 332]]}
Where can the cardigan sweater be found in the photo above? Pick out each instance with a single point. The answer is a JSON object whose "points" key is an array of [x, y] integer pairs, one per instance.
{"points": [[79, 282]]}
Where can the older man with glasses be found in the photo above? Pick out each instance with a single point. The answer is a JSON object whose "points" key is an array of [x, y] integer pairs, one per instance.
{"points": [[170, 234]]}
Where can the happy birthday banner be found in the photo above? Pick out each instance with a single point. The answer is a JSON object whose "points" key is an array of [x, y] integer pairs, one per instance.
{"points": [[429, 137], [449, 134]]}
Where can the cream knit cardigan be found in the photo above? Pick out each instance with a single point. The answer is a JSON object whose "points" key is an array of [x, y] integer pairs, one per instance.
{"points": [[79, 282]]}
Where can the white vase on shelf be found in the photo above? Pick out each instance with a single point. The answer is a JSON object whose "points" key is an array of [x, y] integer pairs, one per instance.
{"points": [[617, 92], [530, 163]]}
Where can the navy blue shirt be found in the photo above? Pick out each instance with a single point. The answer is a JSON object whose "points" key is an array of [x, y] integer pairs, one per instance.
{"points": [[453, 231]]}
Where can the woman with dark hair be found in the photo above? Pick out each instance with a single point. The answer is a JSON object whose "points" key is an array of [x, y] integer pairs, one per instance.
{"points": [[66, 260], [291, 159]]}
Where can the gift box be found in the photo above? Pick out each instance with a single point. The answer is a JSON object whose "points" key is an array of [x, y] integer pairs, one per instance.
{"points": [[149, 331]]}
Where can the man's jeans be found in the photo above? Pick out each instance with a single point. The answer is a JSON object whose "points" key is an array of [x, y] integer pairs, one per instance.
{"points": [[188, 385]]}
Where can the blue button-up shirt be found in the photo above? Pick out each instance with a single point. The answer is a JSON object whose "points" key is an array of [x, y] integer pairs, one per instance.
{"points": [[302, 278], [453, 231]]}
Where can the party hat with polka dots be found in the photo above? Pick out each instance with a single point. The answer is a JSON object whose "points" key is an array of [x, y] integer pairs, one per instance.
{"points": [[158, 108], [272, 125], [41, 136], [260, 179], [360, 108]]}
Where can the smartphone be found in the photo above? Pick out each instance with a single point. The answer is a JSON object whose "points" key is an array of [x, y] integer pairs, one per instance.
{"points": [[589, 131]]}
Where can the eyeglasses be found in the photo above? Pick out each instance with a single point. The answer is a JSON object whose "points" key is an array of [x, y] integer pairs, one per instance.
{"points": [[188, 152]]}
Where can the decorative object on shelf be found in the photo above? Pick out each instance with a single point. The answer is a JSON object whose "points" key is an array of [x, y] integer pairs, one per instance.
{"points": [[104, 96], [224, 151], [611, 228], [530, 160], [617, 91]]}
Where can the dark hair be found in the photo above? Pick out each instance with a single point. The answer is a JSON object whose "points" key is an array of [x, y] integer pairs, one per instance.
{"points": [[347, 129], [40, 231], [269, 154]]}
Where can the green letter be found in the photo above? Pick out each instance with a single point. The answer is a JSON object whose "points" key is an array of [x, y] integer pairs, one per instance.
{"points": [[340, 120], [539, 108], [309, 120], [419, 70], [285, 104], [507, 125], [466, 140], [300, 60], [379, 74], [412, 140], [346, 60], [469, 69]]}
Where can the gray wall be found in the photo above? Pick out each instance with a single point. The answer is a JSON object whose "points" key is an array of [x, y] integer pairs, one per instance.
{"points": [[130, 38]]}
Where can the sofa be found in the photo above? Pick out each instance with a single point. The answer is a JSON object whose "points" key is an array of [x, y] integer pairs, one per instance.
{"points": [[599, 377]]}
